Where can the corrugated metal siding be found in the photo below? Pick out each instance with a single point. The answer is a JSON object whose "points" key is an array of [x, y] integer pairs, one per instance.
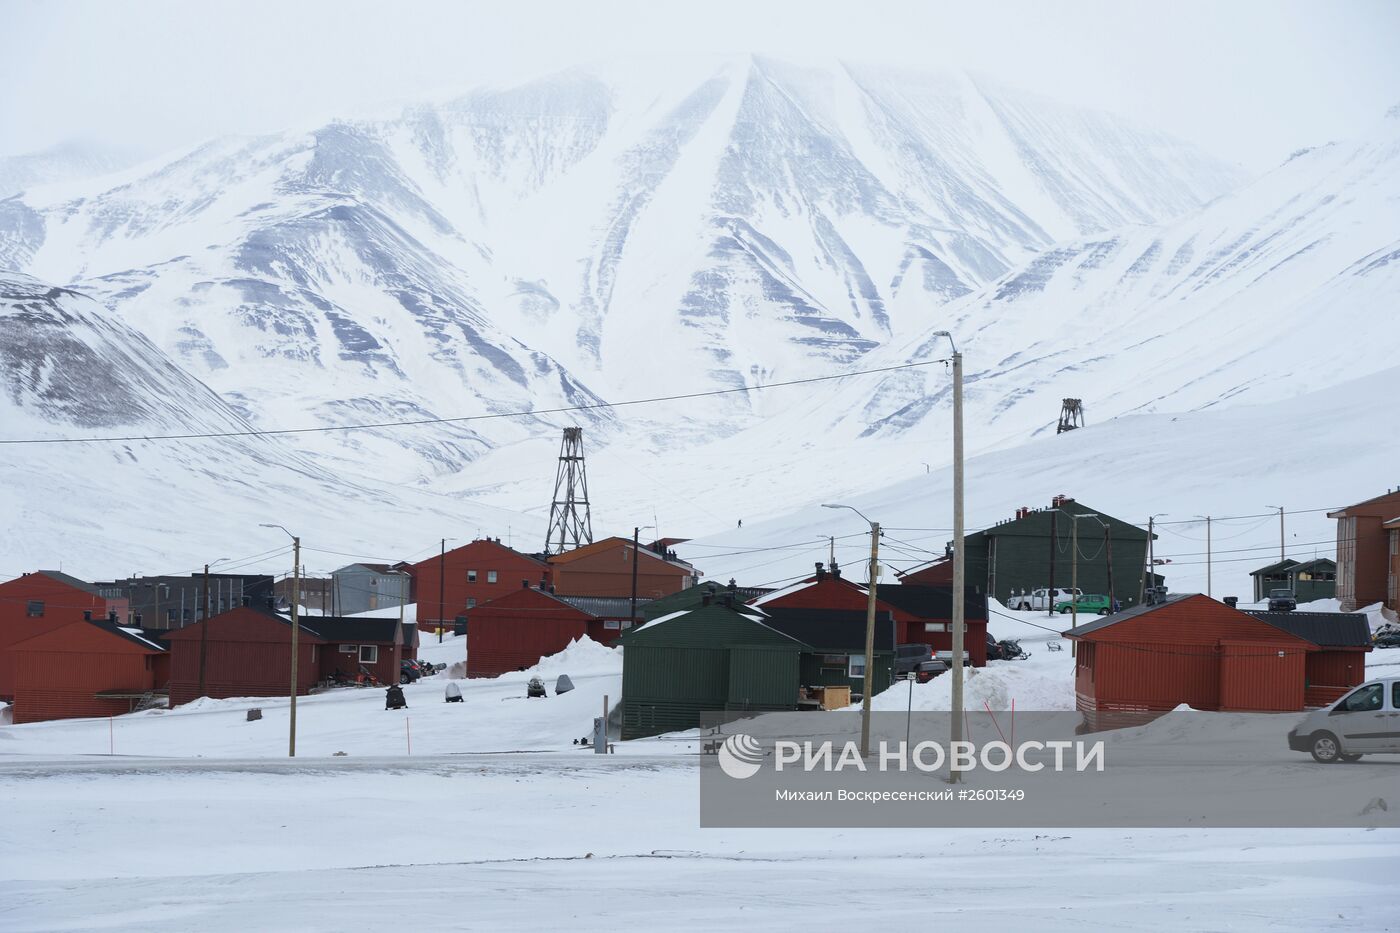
{"points": [[240, 669], [499, 644], [1331, 673], [762, 679], [1146, 676], [667, 688], [62, 684], [1259, 678]]}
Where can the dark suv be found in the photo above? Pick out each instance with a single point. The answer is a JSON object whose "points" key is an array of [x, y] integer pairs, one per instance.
{"points": [[907, 658], [1282, 601]]}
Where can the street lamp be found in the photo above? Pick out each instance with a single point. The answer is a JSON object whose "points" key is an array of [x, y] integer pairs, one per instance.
{"points": [[204, 626], [1280, 530], [636, 543], [869, 626], [959, 552], [296, 598]]}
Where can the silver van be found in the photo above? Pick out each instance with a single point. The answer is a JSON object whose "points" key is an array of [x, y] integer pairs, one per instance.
{"points": [[1364, 722]]}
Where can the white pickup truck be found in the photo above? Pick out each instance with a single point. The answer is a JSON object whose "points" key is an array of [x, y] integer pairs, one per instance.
{"points": [[1043, 599]]}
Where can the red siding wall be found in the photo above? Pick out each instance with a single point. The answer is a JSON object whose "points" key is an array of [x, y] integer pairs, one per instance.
{"points": [[1332, 672], [482, 556], [59, 673], [249, 655], [63, 605], [385, 670], [1194, 651], [517, 630]]}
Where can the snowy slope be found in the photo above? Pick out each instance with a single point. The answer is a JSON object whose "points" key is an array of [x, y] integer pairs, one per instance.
{"points": [[601, 232], [68, 368]]}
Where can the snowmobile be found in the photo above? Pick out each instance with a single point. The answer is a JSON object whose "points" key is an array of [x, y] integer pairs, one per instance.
{"points": [[1010, 650], [535, 688]]}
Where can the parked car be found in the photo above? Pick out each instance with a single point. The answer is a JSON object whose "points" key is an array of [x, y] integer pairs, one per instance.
{"points": [[1282, 600], [927, 670], [1088, 602], [1360, 723], [407, 672], [1042, 599], [908, 657]]}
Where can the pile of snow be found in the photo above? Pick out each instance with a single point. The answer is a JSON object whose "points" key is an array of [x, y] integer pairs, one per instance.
{"points": [[582, 656]]}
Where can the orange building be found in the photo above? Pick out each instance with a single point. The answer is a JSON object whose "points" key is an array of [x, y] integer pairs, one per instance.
{"points": [[40, 602], [604, 568]]}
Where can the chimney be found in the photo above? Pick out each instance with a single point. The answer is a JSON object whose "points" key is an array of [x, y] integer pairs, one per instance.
{"points": [[705, 598], [728, 600], [247, 600], [525, 583], [835, 571], [821, 571], [112, 616], [87, 615]]}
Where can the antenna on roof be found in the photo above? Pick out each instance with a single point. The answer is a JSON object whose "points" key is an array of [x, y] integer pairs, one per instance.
{"points": [[568, 527]]}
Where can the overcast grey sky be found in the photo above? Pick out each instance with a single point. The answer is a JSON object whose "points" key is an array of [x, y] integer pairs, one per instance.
{"points": [[1249, 80]]}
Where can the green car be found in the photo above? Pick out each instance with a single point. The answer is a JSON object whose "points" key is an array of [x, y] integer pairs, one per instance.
{"points": [[1089, 602]]}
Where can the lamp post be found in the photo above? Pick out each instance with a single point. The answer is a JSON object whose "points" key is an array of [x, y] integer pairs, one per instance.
{"points": [[869, 627], [204, 624], [1208, 555], [1281, 556], [296, 598], [636, 544], [959, 552]]}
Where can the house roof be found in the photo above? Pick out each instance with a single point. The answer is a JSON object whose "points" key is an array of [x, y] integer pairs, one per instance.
{"points": [[126, 633], [69, 580], [831, 629], [1315, 562], [1103, 622], [1285, 564], [606, 544], [931, 602], [1385, 496], [348, 630], [602, 607], [712, 626], [372, 568], [1325, 629], [694, 596]]}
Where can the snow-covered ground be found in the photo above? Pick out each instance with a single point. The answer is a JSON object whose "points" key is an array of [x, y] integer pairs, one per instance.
{"points": [[497, 821]]}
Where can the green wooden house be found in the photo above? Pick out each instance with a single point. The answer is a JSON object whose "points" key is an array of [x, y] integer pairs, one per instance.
{"points": [[693, 597], [1308, 580], [719, 658]]}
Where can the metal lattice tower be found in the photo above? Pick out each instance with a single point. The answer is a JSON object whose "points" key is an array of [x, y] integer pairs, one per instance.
{"points": [[567, 527], [1071, 415]]}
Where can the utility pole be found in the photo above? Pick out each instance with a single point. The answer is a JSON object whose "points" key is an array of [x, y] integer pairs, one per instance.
{"points": [[1074, 572], [1281, 555], [1050, 586], [296, 625], [832, 561], [959, 557], [869, 626], [442, 588], [1108, 545], [1208, 555], [636, 542]]}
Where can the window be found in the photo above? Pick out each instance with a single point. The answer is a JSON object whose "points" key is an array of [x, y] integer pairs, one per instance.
{"points": [[471, 576], [1395, 695], [1363, 700], [36, 608], [471, 602], [369, 654], [612, 624], [935, 626], [855, 666], [490, 576], [349, 649]]}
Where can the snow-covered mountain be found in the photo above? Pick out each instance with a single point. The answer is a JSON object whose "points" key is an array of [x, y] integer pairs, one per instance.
{"points": [[70, 161], [69, 368], [616, 233], [592, 235]]}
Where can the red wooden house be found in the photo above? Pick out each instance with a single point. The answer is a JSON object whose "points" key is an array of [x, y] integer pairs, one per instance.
{"points": [[247, 654], [355, 646], [922, 614], [40, 602], [1192, 650], [513, 632], [469, 576], [85, 669], [1342, 641]]}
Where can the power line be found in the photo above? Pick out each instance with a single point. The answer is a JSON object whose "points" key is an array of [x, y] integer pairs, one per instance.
{"points": [[325, 429]]}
